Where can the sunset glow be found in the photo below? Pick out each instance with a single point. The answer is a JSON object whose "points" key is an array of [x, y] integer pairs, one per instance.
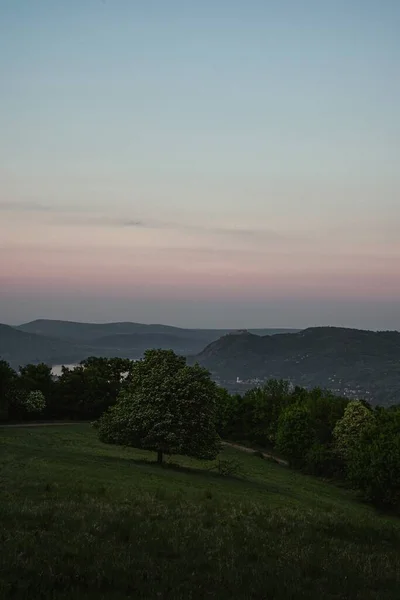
{"points": [[158, 165]]}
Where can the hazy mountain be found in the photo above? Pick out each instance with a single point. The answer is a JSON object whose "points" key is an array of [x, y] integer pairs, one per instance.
{"points": [[88, 332], [19, 348], [58, 342], [141, 341], [358, 362]]}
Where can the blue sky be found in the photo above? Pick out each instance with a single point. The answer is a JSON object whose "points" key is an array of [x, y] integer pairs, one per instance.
{"points": [[200, 163]]}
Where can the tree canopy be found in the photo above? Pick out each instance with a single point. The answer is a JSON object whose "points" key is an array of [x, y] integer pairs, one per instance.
{"points": [[168, 407], [349, 429]]}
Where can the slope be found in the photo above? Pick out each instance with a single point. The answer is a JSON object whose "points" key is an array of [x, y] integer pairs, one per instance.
{"points": [[85, 520], [361, 362]]}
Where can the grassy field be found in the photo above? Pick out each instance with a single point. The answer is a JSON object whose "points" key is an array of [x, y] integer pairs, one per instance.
{"points": [[79, 519]]}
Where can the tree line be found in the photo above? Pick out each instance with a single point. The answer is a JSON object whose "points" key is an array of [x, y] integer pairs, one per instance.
{"points": [[160, 403]]}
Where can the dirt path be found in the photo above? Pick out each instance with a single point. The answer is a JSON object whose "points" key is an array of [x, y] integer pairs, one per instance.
{"points": [[280, 461]]}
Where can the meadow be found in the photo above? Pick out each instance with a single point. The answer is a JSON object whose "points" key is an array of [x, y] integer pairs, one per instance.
{"points": [[81, 519]]}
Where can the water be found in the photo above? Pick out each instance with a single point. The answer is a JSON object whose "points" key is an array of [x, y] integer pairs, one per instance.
{"points": [[56, 369]]}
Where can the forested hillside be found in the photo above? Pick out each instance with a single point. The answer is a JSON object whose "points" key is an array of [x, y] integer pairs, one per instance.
{"points": [[351, 361]]}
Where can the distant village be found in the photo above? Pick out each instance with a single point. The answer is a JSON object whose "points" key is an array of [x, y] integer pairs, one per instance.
{"points": [[241, 386]]}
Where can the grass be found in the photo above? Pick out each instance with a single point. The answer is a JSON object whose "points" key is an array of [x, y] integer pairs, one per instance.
{"points": [[79, 519]]}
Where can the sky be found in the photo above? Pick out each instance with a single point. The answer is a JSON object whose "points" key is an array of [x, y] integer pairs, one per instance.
{"points": [[212, 163]]}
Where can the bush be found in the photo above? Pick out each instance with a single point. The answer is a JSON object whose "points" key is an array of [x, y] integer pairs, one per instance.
{"points": [[35, 402]]}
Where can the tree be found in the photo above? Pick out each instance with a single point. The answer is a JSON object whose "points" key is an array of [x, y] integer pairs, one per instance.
{"points": [[33, 378], [226, 407], [326, 410], [87, 390], [168, 407], [373, 465], [8, 385], [295, 434], [350, 428], [259, 411]]}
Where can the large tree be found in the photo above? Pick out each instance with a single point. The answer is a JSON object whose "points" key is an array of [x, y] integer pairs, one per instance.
{"points": [[168, 407]]}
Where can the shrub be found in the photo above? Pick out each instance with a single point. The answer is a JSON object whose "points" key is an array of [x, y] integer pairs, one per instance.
{"points": [[34, 402]]}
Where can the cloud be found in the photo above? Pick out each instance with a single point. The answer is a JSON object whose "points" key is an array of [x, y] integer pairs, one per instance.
{"points": [[74, 216], [94, 220], [131, 223], [24, 207]]}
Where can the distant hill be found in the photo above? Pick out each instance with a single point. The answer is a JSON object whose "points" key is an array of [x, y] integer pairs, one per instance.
{"points": [[87, 332], [19, 348], [140, 342], [57, 342], [350, 361], [356, 362]]}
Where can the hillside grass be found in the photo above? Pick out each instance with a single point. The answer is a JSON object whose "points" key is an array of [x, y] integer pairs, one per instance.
{"points": [[80, 519]]}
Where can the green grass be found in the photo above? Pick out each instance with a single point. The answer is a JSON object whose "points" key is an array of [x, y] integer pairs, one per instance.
{"points": [[79, 519]]}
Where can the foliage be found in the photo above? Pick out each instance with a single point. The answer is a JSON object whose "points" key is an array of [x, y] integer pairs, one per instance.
{"points": [[87, 390], [325, 410], [349, 429], [34, 378], [295, 434], [226, 412], [258, 412], [35, 402], [321, 460], [374, 463], [8, 384], [168, 407]]}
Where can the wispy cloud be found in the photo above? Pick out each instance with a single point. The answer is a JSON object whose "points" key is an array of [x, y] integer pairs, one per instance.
{"points": [[94, 220], [24, 207], [101, 220], [73, 216]]}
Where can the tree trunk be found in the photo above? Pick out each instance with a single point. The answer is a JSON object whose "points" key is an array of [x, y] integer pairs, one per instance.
{"points": [[159, 457]]}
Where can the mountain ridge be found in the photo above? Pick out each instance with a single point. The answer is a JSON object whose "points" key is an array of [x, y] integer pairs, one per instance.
{"points": [[56, 341], [356, 361]]}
